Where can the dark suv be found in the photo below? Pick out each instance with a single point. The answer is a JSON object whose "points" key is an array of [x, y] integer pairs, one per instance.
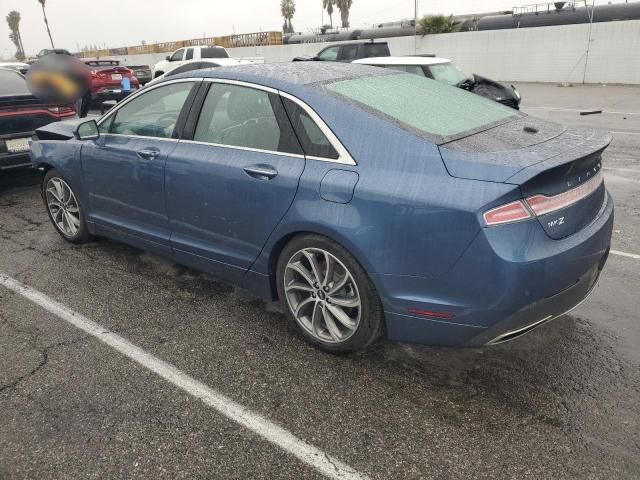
{"points": [[348, 52]]}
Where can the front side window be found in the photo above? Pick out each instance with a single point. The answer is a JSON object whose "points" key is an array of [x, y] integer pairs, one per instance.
{"points": [[422, 105], [177, 56], [152, 114], [329, 54], [246, 117]]}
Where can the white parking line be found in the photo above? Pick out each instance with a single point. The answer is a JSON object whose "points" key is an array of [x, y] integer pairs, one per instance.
{"points": [[312, 456], [625, 254]]}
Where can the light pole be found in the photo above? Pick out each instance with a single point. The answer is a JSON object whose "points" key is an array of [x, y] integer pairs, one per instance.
{"points": [[590, 15], [415, 27]]}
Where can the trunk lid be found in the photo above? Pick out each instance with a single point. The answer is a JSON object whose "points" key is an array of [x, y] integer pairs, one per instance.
{"points": [[558, 169], [22, 114]]}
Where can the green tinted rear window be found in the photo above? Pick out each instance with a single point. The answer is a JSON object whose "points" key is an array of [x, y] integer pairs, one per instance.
{"points": [[423, 104]]}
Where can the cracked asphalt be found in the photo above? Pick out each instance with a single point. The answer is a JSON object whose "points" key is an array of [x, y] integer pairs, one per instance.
{"points": [[562, 402]]}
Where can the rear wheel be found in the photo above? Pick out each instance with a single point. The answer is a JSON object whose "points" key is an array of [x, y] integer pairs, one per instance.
{"points": [[327, 295], [64, 209]]}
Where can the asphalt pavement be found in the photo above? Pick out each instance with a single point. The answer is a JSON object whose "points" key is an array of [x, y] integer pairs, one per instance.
{"points": [[561, 402]]}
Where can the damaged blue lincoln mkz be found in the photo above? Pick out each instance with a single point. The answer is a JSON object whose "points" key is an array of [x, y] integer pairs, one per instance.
{"points": [[368, 201]]}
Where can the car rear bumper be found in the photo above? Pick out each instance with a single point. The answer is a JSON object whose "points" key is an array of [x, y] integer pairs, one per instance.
{"points": [[511, 279], [111, 95], [10, 160]]}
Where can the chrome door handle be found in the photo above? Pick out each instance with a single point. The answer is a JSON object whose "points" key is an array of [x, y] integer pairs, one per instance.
{"points": [[148, 153], [261, 172]]}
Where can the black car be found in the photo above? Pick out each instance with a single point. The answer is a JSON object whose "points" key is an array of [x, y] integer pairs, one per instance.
{"points": [[347, 52], [141, 72], [20, 114]]}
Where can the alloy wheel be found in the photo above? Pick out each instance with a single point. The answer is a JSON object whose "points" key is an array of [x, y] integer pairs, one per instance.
{"points": [[63, 206], [322, 295]]}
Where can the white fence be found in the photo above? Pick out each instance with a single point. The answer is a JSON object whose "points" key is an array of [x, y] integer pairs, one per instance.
{"points": [[542, 54]]}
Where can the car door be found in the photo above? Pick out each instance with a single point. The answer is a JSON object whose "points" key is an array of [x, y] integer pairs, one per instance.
{"points": [[124, 169], [232, 181]]}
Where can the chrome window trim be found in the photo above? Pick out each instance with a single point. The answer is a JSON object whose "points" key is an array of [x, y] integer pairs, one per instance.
{"points": [[248, 149], [344, 157], [139, 136]]}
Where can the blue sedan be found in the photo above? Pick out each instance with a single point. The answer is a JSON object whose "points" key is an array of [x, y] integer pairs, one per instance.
{"points": [[370, 202]]}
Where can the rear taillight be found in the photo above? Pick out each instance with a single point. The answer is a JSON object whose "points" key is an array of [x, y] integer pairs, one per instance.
{"points": [[511, 212], [541, 204], [62, 111]]}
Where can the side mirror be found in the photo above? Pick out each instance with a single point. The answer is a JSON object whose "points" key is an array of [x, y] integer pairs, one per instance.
{"points": [[316, 58], [168, 59], [87, 131]]}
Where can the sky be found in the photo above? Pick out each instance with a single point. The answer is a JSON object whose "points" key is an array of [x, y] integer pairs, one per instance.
{"points": [[117, 23]]}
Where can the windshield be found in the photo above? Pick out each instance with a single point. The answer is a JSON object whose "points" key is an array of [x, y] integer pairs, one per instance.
{"points": [[447, 73], [423, 105]]}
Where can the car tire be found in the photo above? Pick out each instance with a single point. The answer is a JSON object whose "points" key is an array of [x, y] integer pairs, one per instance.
{"points": [[64, 209], [327, 295]]}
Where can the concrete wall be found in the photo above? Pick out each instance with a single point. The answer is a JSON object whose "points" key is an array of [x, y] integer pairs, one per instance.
{"points": [[542, 54]]}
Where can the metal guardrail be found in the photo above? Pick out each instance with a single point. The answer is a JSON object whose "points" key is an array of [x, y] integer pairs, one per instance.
{"points": [[546, 7], [229, 41]]}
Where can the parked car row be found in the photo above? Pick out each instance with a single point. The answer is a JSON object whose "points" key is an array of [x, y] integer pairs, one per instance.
{"points": [[368, 201]]}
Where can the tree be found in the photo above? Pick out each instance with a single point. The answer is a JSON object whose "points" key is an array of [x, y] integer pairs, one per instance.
{"points": [[430, 24], [13, 20], [46, 22], [328, 5], [288, 10], [344, 6]]}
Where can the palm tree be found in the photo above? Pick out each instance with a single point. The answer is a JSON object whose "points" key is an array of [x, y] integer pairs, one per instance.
{"points": [[288, 10], [46, 22], [344, 6], [328, 5], [430, 24], [13, 20]]}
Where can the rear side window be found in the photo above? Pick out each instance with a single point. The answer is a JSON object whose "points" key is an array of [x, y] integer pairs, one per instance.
{"points": [[349, 52], [11, 83], [314, 142], [152, 114], [213, 53], [376, 50], [423, 105], [189, 54], [245, 117]]}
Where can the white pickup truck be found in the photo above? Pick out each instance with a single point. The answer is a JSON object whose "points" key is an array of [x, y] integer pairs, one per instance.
{"points": [[182, 55]]}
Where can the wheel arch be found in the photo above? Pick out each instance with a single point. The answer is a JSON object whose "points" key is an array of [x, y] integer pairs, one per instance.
{"points": [[278, 245]]}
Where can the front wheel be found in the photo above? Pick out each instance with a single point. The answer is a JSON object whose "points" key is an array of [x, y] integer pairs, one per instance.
{"points": [[64, 209], [327, 295]]}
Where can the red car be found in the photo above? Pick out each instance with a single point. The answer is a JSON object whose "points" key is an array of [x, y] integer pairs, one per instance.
{"points": [[106, 79]]}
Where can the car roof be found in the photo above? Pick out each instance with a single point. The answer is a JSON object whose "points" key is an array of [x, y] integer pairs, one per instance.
{"points": [[403, 60], [223, 62], [286, 75]]}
